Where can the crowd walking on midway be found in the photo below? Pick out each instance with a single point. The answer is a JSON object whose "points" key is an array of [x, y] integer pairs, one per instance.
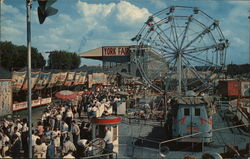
{"points": [[62, 131]]}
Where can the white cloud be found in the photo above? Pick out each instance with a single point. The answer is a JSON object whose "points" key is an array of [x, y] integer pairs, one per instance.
{"points": [[238, 42], [90, 25]]}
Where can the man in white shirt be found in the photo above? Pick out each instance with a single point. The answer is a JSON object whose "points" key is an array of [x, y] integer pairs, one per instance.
{"points": [[18, 125], [109, 141], [68, 145], [58, 118], [69, 117], [75, 131], [34, 138]]}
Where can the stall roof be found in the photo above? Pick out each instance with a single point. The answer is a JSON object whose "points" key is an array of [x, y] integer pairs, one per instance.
{"points": [[194, 100], [92, 54]]}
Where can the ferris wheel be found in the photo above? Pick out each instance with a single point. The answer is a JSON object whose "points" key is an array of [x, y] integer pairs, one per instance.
{"points": [[191, 47]]}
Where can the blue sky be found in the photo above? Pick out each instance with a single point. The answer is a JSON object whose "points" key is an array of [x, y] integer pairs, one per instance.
{"points": [[81, 25]]}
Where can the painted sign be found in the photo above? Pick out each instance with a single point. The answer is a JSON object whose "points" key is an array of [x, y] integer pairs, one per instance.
{"points": [[97, 78], [77, 76], [34, 78], [90, 80], [82, 78], [61, 78], [46, 101], [35, 103], [5, 97], [53, 79], [69, 79], [43, 80], [115, 51], [17, 80]]}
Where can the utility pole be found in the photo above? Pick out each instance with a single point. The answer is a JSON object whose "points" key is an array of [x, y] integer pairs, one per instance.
{"points": [[29, 5], [1, 19], [249, 36]]}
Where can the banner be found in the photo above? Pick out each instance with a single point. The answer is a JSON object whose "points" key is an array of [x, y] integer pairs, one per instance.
{"points": [[99, 78], [70, 79], [77, 76], [82, 78], [5, 97], [34, 77], [45, 101], [17, 80], [61, 78], [53, 79], [43, 80], [90, 80], [35, 103]]}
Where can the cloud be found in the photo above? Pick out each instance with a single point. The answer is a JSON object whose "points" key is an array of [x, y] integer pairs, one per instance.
{"points": [[91, 24]]}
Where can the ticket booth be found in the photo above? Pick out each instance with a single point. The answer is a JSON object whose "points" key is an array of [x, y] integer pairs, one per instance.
{"points": [[98, 131]]}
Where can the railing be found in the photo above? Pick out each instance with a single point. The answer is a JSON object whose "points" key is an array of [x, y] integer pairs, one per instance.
{"points": [[102, 155], [236, 111], [198, 133]]}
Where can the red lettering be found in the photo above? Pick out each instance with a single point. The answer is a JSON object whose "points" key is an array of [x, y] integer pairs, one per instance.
{"points": [[119, 51]]}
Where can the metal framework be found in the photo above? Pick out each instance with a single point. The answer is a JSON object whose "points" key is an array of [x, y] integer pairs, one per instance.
{"points": [[191, 43]]}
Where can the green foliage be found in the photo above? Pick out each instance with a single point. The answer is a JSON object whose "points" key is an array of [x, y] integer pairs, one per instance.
{"points": [[63, 60], [15, 57]]}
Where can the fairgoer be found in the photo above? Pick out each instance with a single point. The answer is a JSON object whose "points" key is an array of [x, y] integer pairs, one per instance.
{"points": [[109, 141]]}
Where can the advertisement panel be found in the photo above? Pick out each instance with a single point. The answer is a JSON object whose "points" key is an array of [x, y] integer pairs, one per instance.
{"points": [[43, 80], [17, 80], [45, 101], [35, 103], [53, 79], [70, 79], [245, 88], [82, 78], [77, 76], [34, 78], [99, 78], [5, 97], [61, 78], [90, 80], [115, 51]]}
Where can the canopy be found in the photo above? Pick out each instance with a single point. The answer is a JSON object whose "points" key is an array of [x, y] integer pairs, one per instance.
{"points": [[194, 100], [66, 95], [106, 120]]}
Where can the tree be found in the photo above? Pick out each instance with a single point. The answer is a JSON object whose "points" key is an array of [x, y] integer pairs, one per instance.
{"points": [[15, 57], [59, 59]]}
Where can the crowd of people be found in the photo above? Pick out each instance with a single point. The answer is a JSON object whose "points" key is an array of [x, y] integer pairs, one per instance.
{"points": [[61, 132]]}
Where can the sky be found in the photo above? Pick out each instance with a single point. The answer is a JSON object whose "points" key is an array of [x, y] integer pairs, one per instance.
{"points": [[82, 25]]}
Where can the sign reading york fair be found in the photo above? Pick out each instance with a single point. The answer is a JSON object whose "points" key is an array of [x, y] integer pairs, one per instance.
{"points": [[115, 51]]}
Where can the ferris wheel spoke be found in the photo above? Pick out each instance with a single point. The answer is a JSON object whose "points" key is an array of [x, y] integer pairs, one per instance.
{"points": [[200, 49], [205, 31], [168, 56], [176, 35], [161, 49], [155, 74], [199, 60], [193, 69], [172, 33], [186, 30], [163, 33], [163, 41]]}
